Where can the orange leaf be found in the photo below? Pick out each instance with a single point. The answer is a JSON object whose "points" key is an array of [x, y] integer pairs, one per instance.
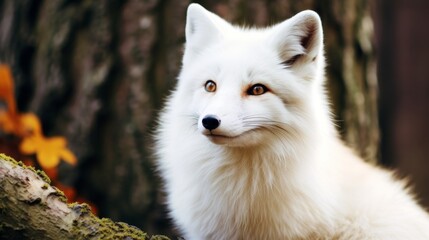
{"points": [[30, 123], [6, 80], [20, 124], [56, 143], [29, 145], [7, 88], [49, 151], [7, 123], [47, 158], [68, 156]]}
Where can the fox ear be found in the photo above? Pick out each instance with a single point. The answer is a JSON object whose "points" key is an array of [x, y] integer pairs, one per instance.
{"points": [[299, 39], [202, 29]]}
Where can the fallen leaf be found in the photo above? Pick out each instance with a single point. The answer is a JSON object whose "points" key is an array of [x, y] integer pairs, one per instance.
{"points": [[20, 124], [30, 124], [30, 144], [49, 151], [68, 156], [7, 88], [8, 123]]}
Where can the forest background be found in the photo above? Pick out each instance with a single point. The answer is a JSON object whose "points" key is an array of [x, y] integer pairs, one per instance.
{"points": [[95, 74]]}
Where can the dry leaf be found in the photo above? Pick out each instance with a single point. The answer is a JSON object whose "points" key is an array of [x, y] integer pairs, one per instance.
{"points": [[8, 123], [7, 88], [30, 124], [49, 151]]}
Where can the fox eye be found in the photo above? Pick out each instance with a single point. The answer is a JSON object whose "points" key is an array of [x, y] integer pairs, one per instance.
{"points": [[257, 89], [210, 86]]}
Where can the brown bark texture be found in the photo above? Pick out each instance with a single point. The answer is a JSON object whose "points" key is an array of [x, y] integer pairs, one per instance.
{"points": [[96, 72], [32, 209]]}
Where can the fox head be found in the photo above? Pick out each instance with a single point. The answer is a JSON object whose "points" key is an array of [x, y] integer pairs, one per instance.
{"points": [[243, 87]]}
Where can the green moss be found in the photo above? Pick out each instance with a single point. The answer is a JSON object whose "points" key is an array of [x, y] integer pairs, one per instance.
{"points": [[40, 173], [91, 227], [11, 160], [88, 226], [43, 175], [80, 208], [60, 194]]}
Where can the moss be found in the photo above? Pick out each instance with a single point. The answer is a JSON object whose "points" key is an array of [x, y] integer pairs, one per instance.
{"points": [[40, 173], [11, 160], [43, 175], [89, 226], [60, 194], [80, 208]]}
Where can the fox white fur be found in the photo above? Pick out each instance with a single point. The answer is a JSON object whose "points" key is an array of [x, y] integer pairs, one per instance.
{"points": [[275, 167]]}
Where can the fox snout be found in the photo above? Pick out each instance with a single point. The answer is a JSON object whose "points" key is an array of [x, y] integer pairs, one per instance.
{"points": [[211, 122]]}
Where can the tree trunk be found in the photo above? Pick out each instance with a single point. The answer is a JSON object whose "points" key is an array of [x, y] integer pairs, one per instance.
{"points": [[96, 72], [32, 209]]}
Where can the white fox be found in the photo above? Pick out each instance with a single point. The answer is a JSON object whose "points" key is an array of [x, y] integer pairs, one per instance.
{"points": [[247, 149]]}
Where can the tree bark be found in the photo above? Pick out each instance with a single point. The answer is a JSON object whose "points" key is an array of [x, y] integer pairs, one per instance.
{"points": [[32, 209], [96, 72]]}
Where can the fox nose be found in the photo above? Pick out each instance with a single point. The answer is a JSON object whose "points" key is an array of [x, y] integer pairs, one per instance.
{"points": [[211, 122]]}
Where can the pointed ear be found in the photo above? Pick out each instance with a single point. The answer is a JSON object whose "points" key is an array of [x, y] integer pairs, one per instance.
{"points": [[203, 28], [299, 39]]}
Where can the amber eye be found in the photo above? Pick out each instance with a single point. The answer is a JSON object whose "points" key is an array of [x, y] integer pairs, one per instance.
{"points": [[210, 86], [257, 89]]}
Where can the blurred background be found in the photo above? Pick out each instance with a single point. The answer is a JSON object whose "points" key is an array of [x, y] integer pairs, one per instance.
{"points": [[96, 73]]}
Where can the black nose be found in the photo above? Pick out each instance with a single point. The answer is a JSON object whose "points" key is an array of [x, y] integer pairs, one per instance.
{"points": [[211, 122]]}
